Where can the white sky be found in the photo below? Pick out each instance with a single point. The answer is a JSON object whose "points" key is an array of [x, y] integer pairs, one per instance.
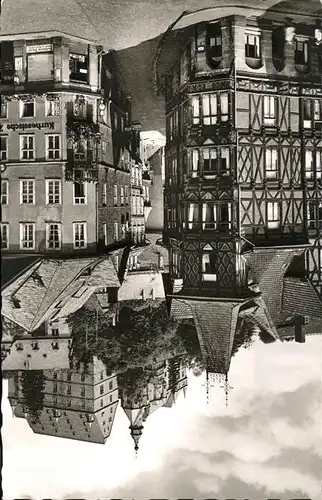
{"points": [[240, 451]]}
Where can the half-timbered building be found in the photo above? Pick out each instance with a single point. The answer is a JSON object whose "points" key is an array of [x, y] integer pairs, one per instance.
{"points": [[244, 139]]}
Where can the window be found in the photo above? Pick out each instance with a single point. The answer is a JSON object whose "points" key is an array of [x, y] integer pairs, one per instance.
{"points": [[122, 195], [224, 216], [195, 163], [53, 236], [27, 109], [3, 109], [53, 147], [53, 191], [195, 109], [193, 216], [208, 216], [52, 107], [115, 194], [214, 40], [308, 164], [79, 193], [223, 106], [224, 161], [4, 192], [78, 68], [80, 236], [101, 389], [301, 52], [105, 233], [83, 377], [27, 191], [126, 195], [273, 215], [55, 375], [209, 266], [318, 167], [55, 388], [4, 236], [317, 110], [252, 46], [269, 110], [104, 194], [116, 231], [83, 391], [311, 215], [209, 109], [4, 148], [27, 235], [69, 389], [209, 162], [27, 147], [110, 386], [271, 163]]}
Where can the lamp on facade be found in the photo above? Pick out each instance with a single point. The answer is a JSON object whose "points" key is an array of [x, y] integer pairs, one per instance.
{"points": [[318, 36], [101, 107], [289, 34], [3, 167]]}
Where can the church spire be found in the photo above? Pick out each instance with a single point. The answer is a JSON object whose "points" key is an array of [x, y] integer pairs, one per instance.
{"points": [[227, 388], [136, 433]]}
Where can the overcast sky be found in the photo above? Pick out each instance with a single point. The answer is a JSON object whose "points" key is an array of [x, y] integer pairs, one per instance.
{"points": [[265, 445]]}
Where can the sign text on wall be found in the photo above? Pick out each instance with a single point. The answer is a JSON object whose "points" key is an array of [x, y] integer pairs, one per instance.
{"points": [[24, 126], [46, 47]]}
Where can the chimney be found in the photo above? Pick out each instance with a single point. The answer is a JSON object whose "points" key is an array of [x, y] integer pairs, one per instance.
{"points": [[299, 333]]}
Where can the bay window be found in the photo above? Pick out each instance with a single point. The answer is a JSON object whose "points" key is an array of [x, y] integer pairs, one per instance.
{"points": [[223, 106], [214, 39]]}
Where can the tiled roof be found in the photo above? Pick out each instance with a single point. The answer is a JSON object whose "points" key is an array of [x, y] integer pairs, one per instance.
{"points": [[30, 300], [299, 297], [180, 309], [267, 267], [216, 327]]}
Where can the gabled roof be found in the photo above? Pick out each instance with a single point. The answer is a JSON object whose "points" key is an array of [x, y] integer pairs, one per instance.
{"points": [[216, 324]]}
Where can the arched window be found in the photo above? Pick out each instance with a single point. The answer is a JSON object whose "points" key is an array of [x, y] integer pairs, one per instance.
{"points": [[278, 48]]}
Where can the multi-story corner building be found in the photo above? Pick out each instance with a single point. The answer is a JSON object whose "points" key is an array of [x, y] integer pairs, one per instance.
{"points": [[137, 193], [155, 193], [77, 404], [244, 139], [64, 164]]}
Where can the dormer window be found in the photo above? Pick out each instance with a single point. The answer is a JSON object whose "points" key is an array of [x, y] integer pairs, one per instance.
{"points": [[278, 48], [78, 68], [214, 44], [253, 49], [301, 51]]}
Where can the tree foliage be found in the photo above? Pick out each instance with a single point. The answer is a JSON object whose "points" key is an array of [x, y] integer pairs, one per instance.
{"points": [[32, 386]]}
